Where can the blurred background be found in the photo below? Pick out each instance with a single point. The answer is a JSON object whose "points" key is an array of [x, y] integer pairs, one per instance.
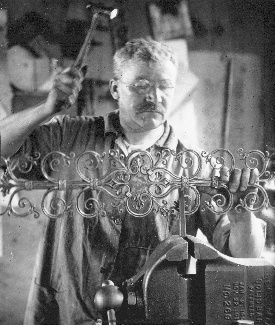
{"points": [[225, 98]]}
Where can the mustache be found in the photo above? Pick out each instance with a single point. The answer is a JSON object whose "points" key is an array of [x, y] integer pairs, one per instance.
{"points": [[151, 107]]}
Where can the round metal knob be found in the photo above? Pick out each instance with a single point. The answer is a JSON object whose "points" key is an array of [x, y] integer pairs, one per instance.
{"points": [[108, 297]]}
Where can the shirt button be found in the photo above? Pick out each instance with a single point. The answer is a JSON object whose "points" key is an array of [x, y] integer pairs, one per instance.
{"points": [[118, 221]]}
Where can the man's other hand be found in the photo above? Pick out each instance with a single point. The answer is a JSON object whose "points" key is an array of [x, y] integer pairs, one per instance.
{"points": [[240, 183], [240, 179]]}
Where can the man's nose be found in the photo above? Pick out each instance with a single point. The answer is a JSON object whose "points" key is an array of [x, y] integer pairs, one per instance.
{"points": [[154, 94]]}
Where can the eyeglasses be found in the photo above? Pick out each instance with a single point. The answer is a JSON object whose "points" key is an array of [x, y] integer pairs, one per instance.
{"points": [[143, 86]]}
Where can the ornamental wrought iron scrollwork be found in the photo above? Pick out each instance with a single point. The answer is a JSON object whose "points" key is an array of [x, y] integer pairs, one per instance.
{"points": [[139, 183], [259, 160]]}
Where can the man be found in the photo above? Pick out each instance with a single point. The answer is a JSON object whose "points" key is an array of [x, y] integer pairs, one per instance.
{"points": [[77, 254]]}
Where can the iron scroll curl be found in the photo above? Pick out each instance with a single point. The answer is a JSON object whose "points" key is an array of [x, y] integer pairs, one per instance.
{"points": [[139, 183]]}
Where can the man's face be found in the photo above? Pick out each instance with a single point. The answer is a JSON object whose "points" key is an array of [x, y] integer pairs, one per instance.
{"points": [[145, 92]]}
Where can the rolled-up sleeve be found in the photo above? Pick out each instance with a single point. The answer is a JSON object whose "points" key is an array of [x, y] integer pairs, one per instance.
{"points": [[222, 233]]}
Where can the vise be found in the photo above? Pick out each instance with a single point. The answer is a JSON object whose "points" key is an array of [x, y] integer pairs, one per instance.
{"points": [[222, 290]]}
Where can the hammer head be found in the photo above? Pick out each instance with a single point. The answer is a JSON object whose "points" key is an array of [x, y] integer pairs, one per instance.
{"points": [[111, 12]]}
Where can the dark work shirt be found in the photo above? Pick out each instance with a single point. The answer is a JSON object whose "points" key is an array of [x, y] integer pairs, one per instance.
{"points": [[76, 254]]}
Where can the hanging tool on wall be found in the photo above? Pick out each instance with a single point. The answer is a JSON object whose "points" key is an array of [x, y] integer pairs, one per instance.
{"points": [[227, 98]]}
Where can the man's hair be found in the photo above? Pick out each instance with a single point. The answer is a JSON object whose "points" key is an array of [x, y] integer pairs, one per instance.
{"points": [[143, 50]]}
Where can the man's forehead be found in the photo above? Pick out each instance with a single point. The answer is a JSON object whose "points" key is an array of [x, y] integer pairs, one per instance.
{"points": [[139, 67], [150, 63]]}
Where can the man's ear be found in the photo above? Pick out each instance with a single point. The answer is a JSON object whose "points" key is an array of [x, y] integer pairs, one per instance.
{"points": [[114, 88]]}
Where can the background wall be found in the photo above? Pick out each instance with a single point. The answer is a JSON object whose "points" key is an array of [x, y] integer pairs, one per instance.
{"points": [[227, 101]]}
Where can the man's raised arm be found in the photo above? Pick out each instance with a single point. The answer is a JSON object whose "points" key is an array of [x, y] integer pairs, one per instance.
{"points": [[16, 127]]}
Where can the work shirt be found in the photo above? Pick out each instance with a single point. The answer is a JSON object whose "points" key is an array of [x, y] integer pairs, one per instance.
{"points": [[76, 253]]}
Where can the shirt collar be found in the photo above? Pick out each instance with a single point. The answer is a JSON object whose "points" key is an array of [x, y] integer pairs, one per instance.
{"points": [[112, 124], [168, 140]]}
